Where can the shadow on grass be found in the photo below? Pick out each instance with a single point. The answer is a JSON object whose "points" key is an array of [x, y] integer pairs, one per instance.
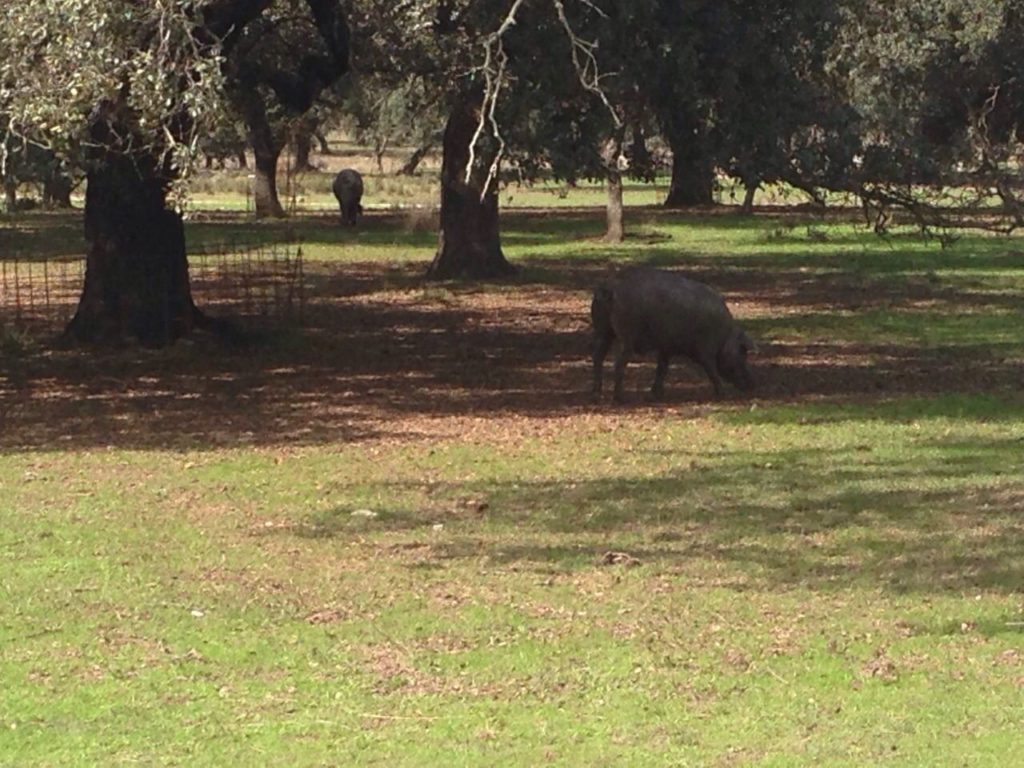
{"points": [[980, 408], [937, 521], [408, 229], [381, 348]]}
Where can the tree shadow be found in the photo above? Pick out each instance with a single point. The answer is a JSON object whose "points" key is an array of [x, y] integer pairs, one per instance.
{"points": [[913, 526], [380, 346]]}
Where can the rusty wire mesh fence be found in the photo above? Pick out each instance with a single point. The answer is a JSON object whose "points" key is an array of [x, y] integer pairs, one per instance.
{"points": [[39, 296], [256, 284]]}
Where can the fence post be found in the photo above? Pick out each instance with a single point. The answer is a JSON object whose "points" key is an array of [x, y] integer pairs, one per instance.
{"points": [[46, 286], [302, 287], [17, 293]]}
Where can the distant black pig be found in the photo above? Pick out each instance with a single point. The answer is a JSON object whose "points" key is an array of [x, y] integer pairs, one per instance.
{"points": [[646, 309], [348, 189]]}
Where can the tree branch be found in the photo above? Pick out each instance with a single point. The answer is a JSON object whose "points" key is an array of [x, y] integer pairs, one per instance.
{"points": [[588, 71], [494, 80]]}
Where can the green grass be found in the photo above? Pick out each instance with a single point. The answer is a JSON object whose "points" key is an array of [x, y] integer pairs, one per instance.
{"points": [[825, 584], [825, 579], [231, 191]]}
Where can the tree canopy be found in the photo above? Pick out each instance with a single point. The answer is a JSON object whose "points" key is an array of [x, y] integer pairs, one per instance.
{"points": [[936, 90], [61, 59]]}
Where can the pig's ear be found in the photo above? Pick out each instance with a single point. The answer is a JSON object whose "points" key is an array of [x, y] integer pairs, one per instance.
{"points": [[747, 343]]}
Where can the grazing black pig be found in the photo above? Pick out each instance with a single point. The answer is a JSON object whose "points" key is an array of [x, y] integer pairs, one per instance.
{"points": [[348, 189], [646, 309]]}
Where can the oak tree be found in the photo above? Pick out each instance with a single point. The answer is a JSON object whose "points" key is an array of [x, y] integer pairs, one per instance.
{"points": [[133, 86]]}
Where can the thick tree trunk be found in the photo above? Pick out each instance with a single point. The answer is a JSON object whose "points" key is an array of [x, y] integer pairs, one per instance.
{"points": [[266, 152], [409, 167], [136, 279], [137, 282], [267, 146], [469, 245], [693, 174], [136, 272]]}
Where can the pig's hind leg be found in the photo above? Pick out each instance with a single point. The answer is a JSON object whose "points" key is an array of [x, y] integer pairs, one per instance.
{"points": [[658, 388], [623, 352], [602, 343]]}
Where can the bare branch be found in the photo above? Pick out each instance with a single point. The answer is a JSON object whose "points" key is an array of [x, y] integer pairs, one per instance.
{"points": [[494, 71], [587, 70]]}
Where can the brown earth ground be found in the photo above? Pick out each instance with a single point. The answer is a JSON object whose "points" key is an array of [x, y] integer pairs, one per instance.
{"points": [[385, 356]]}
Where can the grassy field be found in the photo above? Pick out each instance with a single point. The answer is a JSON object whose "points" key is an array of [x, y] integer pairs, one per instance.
{"points": [[401, 534]]}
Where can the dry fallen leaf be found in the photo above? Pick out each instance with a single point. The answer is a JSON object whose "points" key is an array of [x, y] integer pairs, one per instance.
{"points": [[326, 616], [619, 558]]}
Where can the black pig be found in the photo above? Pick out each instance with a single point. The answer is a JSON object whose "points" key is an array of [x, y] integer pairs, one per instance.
{"points": [[647, 309], [348, 189]]}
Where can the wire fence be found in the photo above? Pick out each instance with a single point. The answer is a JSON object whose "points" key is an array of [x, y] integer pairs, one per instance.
{"points": [[255, 284]]}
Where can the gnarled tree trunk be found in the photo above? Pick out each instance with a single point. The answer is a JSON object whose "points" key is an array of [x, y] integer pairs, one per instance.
{"points": [[303, 149], [380, 148], [137, 283], [267, 146], [469, 244], [266, 150], [264, 189], [136, 279]]}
